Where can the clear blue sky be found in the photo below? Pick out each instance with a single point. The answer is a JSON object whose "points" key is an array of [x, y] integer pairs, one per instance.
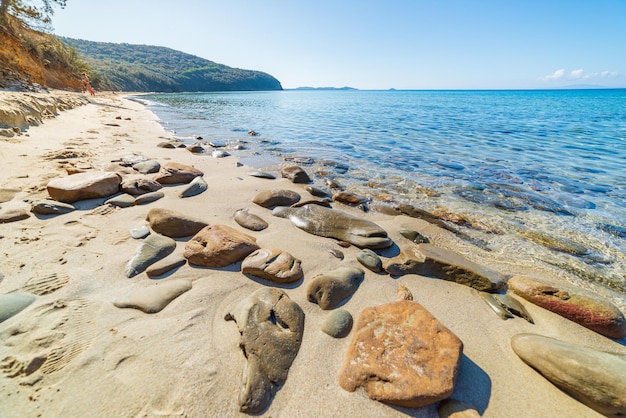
{"points": [[378, 44]]}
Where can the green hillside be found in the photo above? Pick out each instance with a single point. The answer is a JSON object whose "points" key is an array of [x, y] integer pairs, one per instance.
{"points": [[158, 69]]}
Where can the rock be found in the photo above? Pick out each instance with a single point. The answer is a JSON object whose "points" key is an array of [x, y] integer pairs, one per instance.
{"points": [[151, 250], [271, 327], [121, 201], [51, 207], [261, 174], [173, 224], [404, 293], [349, 198], [317, 192], [320, 202], [453, 408], [295, 174], [428, 260], [401, 355], [249, 220], [166, 265], [140, 186], [149, 198], [147, 167], [131, 160], [271, 198], [272, 264], [337, 253], [219, 246], [195, 187], [141, 232], [414, 236], [325, 222], [513, 306], [154, 298], [176, 173], [88, 185], [370, 260], [578, 305], [220, 153], [13, 303], [196, 148], [338, 323], [13, 215], [328, 290], [595, 378]]}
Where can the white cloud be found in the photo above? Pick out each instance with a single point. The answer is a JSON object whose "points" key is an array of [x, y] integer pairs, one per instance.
{"points": [[555, 75], [580, 74], [577, 74]]}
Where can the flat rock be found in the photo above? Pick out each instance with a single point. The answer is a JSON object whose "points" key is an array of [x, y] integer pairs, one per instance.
{"points": [[295, 174], [581, 306], [13, 215], [317, 192], [262, 174], [140, 186], [402, 355], [81, 186], [51, 207], [149, 198], [249, 220], [431, 261], [219, 246], [330, 289], [147, 167], [349, 198], [271, 198], [166, 265], [338, 323], [331, 223], [195, 187], [173, 224], [177, 173], [121, 201], [154, 298], [595, 378], [153, 248], [271, 327], [140, 232], [370, 260], [13, 303], [273, 264]]}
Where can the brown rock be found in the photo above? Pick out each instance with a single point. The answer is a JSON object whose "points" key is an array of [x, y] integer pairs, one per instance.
{"points": [[271, 198], [173, 224], [175, 173], [329, 289], [13, 215], [295, 174], [249, 220], [349, 198], [88, 185], [578, 305], [402, 355], [165, 266], [273, 264], [219, 246], [140, 186]]}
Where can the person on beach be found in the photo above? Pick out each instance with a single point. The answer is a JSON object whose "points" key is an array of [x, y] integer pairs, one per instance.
{"points": [[88, 84]]}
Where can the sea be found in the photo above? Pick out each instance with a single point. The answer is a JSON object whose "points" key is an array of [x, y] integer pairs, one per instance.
{"points": [[538, 174]]}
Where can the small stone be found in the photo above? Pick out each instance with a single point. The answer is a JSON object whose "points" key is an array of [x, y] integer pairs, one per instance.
{"points": [[295, 174], [166, 265], [404, 293], [195, 187], [51, 207], [330, 289], [140, 233], [370, 260], [121, 201], [271, 198], [140, 186], [349, 198], [414, 236], [13, 215], [249, 220], [149, 198], [152, 249], [338, 323], [317, 192], [147, 167], [262, 174]]}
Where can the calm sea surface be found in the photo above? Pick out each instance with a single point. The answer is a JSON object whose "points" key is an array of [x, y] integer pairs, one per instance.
{"points": [[544, 171]]}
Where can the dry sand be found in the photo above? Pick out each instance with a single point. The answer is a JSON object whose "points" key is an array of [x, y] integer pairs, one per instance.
{"points": [[97, 360]]}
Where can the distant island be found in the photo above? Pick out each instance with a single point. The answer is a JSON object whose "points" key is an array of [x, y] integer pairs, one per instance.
{"points": [[325, 88]]}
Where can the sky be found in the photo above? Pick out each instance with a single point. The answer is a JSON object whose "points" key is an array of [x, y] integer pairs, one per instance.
{"points": [[378, 44]]}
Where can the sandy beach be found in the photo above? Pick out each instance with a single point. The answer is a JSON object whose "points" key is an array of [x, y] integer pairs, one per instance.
{"points": [[95, 359]]}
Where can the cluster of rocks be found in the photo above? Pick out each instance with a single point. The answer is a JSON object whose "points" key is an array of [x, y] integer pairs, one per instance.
{"points": [[400, 353]]}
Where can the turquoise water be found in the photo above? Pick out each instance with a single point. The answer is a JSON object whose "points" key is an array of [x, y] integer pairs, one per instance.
{"points": [[542, 166]]}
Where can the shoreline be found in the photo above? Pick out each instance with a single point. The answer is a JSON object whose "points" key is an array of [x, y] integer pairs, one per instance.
{"points": [[187, 352]]}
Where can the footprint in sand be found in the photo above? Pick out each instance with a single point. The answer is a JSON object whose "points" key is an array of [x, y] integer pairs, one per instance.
{"points": [[44, 285], [51, 338]]}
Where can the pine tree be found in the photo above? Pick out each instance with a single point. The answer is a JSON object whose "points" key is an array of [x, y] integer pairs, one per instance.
{"points": [[36, 14]]}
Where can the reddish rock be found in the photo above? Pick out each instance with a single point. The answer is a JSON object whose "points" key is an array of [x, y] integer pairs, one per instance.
{"points": [[273, 264], [176, 173], [173, 224], [81, 186], [402, 355], [349, 198], [581, 306], [219, 246], [295, 174]]}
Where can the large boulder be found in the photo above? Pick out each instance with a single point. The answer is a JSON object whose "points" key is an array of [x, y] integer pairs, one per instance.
{"points": [[81, 186], [326, 222], [271, 327], [219, 246], [595, 378], [581, 306], [402, 355]]}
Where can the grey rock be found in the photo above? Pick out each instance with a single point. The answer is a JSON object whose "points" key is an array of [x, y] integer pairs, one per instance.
{"points": [[595, 378], [330, 289], [149, 198], [338, 323], [13, 303], [121, 201], [140, 186], [271, 198], [249, 220], [370, 260], [166, 265], [295, 174], [141, 232], [147, 167], [317, 192], [195, 187], [414, 236], [220, 153], [262, 174], [51, 207], [151, 250], [331, 223], [271, 327]]}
